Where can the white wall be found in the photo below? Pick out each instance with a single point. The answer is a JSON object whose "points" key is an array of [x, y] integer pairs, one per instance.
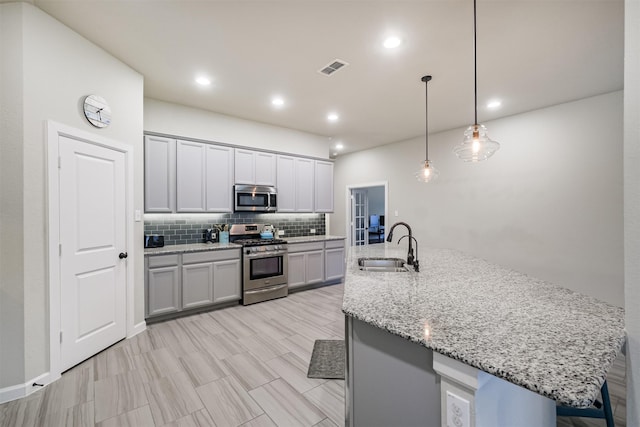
{"points": [[59, 68], [632, 206], [172, 119], [11, 197], [549, 203]]}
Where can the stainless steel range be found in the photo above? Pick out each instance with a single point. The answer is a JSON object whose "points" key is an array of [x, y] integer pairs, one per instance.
{"points": [[264, 264]]}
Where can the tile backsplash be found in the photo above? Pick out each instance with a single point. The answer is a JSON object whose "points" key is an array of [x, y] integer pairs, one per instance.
{"points": [[179, 229]]}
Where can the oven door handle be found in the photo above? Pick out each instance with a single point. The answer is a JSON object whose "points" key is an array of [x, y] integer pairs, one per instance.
{"points": [[265, 254]]}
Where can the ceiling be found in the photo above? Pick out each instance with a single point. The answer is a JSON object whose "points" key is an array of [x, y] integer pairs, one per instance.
{"points": [[531, 54]]}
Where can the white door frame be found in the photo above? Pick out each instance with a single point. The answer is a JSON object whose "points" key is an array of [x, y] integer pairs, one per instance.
{"points": [[347, 203], [53, 131]]}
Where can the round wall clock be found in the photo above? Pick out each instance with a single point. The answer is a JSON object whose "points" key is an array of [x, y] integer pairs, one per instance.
{"points": [[97, 111]]}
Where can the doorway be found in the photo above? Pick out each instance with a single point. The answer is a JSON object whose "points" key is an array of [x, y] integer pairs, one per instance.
{"points": [[366, 213], [90, 244]]}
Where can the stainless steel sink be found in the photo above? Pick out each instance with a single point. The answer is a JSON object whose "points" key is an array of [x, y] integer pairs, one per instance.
{"points": [[382, 264]]}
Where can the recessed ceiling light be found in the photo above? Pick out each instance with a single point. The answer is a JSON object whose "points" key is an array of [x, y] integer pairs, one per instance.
{"points": [[339, 146], [392, 42], [332, 117], [203, 81], [494, 103], [278, 102]]}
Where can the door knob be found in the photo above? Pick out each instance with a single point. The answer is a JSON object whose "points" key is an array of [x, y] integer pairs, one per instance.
{"points": [[123, 255]]}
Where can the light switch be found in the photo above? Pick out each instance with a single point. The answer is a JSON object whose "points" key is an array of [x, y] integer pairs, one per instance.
{"points": [[395, 213], [137, 215]]}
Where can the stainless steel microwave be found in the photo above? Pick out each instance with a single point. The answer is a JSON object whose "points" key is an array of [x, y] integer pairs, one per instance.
{"points": [[255, 198]]}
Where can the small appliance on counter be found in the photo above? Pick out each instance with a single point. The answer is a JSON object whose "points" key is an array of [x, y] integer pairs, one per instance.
{"points": [[210, 235], [267, 232], [153, 241]]}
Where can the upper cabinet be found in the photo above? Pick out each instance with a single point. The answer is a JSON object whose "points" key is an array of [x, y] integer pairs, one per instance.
{"points": [[323, 190], [286, 184], [255, 167], [219, 183], [304, 184], [159, 174], [204, 177], [189, 176], [295, 184]]}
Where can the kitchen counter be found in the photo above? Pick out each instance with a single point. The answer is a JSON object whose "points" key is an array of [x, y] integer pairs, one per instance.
{"points": [[193, 247], [314, 238], [545, 338], [199, 247]]}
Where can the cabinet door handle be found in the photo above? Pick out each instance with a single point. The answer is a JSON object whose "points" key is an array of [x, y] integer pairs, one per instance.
{"points": [[123, 255]]}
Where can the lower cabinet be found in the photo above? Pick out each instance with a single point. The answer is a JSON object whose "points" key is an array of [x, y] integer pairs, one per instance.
{"points": [[315, 262], [187, 281], [306, 264], [162, 284], [334, 256]]}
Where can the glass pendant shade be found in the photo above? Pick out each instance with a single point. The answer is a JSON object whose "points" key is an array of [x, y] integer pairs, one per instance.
{"points": [[427, 172], [476, 146]]}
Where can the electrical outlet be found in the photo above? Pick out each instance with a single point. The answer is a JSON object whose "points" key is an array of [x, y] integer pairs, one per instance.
{"points": [[457, 411], [312, 231], [280, 232]]}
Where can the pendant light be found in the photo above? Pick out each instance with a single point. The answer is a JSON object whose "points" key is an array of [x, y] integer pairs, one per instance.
{"points": [[427, 172], [477, 145]]}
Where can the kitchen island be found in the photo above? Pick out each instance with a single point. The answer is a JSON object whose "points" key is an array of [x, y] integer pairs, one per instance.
{"points": [[468, 318]]}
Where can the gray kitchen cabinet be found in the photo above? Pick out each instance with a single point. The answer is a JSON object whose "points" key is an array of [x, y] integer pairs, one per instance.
{"points": [[197, 285], [162, 284], [323, 190], [190, 176], [195, 280], [334, 256], [286, 184], [296, 274], [306, 264], [304, 176], [159, 174], [210, 277], [219, 178], [304, 185], [204, 177], [226, 280], [255, 167]]}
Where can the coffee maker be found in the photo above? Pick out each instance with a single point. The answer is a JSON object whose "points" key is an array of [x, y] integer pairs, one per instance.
{"points": [[210, 235]]}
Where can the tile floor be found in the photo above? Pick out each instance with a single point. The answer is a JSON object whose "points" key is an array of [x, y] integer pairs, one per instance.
{"points": [[239, 366]]}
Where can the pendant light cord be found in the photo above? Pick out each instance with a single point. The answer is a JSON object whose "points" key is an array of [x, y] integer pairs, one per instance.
{"points": [[426, 79], [475, 66], [426, 120]]}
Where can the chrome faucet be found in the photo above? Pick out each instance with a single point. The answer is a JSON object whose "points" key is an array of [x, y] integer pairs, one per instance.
{"points": [[410, 258]]}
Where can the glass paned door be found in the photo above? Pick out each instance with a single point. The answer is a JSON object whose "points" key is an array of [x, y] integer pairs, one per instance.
{"points": [[359, 217]]}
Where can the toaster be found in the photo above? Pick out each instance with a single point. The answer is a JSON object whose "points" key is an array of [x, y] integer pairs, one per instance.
{"points": [[153, 241]]}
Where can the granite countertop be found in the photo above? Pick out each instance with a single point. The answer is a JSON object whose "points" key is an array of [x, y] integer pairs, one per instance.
{"points": [[200, 247], [315, 238], [193, 247], [540, 336]]}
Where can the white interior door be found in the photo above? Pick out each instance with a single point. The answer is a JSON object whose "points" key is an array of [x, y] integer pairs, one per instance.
{"points": [[359, 217], [92, 249]]}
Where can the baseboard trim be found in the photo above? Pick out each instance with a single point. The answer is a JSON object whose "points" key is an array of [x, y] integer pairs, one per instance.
{"points": [[140, 327], [19, 391]]}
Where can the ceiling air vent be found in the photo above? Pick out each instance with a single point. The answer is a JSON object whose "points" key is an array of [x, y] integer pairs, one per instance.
{"points": [[332, 67]]}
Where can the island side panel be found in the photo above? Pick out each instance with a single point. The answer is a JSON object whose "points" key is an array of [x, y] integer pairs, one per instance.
{"points": [[390, 381]]}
